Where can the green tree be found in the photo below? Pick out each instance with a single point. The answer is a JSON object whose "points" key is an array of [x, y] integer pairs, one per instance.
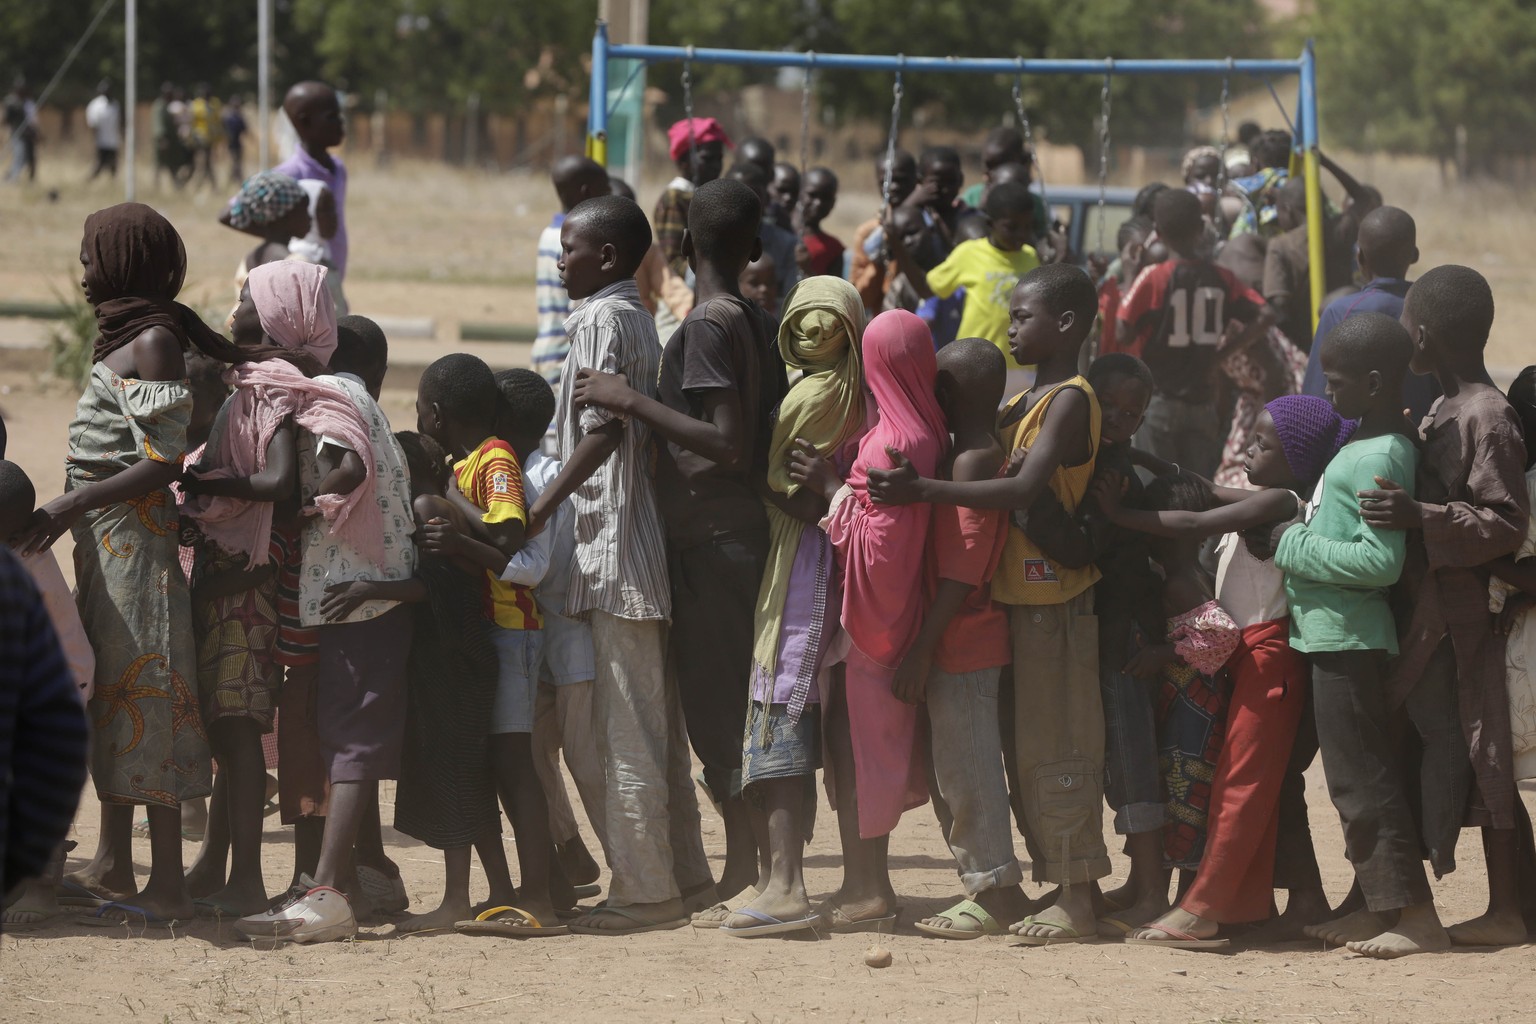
{"points": [[1409, 81]]}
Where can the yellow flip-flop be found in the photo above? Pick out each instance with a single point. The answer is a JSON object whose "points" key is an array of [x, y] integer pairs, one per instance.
{"points": [[509, 923]]}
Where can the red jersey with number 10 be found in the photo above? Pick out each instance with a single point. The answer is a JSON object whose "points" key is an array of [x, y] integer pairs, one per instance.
{"points": [[1178, 311]]}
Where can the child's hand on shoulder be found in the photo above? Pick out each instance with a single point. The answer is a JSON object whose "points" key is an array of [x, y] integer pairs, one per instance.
{"points": [[807, 468], [900, 485], [342, 599], [910, 684], [607, 390], [440, 537], [1390, 507], [1106, 490]]}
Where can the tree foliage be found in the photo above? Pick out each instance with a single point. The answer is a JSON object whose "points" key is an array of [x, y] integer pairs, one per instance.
{"points": [[1409, 75]]}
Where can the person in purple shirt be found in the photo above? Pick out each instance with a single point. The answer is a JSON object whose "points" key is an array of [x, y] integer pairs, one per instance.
{"points": [[315, 112], [1388, 246]]}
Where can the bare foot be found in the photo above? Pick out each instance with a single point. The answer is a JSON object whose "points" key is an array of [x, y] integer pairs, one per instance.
{"points": [[1495, 928], [843, 912], [1356, 927], [1418, 930], [111, 885], [715, 915], [577, 863], [440, 920], [37, 905], [205, 878], [1179, 920], [1124, 922], [233, 901]]}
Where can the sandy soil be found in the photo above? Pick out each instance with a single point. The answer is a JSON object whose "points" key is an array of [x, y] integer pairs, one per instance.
{"points": [[65, 972]]}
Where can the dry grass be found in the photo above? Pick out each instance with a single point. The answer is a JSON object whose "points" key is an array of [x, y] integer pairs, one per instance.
{"points": [[432, 240]]}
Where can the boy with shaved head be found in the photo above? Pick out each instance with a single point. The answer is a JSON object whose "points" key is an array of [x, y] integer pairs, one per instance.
{"points": [[315, 112], [1388, 246]]}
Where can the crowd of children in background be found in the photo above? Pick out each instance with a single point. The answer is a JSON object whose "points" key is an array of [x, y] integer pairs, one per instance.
{"points": [[942, 514]]}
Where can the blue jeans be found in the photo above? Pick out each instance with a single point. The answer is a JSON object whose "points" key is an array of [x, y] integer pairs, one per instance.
{"points": [[1133, 783]]}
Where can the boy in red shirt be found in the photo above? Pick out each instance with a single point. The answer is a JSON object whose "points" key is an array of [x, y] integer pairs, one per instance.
{"points": [[958, 656], [823, 253], [1181, 317]]}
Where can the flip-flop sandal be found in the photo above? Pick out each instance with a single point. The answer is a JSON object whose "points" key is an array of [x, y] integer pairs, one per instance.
{"points": [[1067, 935], [712, 917], [961, 917], [838, 922], [130, 915], [586, 892], [1112, 927], [73, 894], [1113, 906], [509, 923], [1177, 939], [640, 923], [769, 925]]}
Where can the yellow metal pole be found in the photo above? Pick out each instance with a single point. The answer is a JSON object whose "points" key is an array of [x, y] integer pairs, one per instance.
{"points": [[1315, 250]]}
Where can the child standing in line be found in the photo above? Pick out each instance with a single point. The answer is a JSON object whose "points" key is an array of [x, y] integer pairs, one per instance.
{"points": [[720, 380], [360, 698], [1468, 507], [562, 704], [1058, 713], [870, 269], [987, 269], [126, 446], [1128, 600], [759, 283], [1512, 597], [956, 660], [1179, 317], [619, 578], [243, 495], [456, 405], [876, 769], [576, 179], [796, 604], [823, 253], [1338, 568], [446, 797], [1295, 438], [1132, 240]]}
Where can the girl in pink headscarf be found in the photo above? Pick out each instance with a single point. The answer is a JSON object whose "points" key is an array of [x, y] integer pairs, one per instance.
{"points": [[874, 766], [242, 497]]}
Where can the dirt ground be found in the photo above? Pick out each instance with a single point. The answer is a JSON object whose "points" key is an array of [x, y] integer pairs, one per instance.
{"points": [[429, 242], [65, 972]]}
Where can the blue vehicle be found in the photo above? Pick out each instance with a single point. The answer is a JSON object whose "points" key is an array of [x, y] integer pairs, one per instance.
{"points": [[1077, 208]]}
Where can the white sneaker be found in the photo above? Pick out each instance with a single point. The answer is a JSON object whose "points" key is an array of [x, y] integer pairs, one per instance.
{"points": [[309, 913]]}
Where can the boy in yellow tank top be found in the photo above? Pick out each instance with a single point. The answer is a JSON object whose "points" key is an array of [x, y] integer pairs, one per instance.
{"points": [[1058, 716]]}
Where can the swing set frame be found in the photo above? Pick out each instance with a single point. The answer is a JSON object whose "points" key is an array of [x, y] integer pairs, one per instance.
{"points": [[1304, 128]]}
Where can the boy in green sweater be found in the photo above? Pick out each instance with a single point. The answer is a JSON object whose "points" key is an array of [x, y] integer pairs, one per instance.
{"points": [[1338, 569]]}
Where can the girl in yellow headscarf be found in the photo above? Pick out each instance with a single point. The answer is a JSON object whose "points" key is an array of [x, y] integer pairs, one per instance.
{"points": [[798, 603]]}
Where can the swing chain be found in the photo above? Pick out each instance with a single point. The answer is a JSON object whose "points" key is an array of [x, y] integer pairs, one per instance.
{"points": [[1104, 109], [693, 142], [1226, 119], [805, 116], [890, 164], [1029, 137]]}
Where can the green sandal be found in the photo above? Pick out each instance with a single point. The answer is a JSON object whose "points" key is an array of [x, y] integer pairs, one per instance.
{"points": [[968, 920]]}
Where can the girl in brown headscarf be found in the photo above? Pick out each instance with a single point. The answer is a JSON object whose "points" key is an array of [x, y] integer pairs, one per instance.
{"points": [[126, 445]]}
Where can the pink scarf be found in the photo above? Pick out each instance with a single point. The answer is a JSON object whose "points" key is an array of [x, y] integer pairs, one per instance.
{"points": [[883, 545], [297, 312], [295, 306]]}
